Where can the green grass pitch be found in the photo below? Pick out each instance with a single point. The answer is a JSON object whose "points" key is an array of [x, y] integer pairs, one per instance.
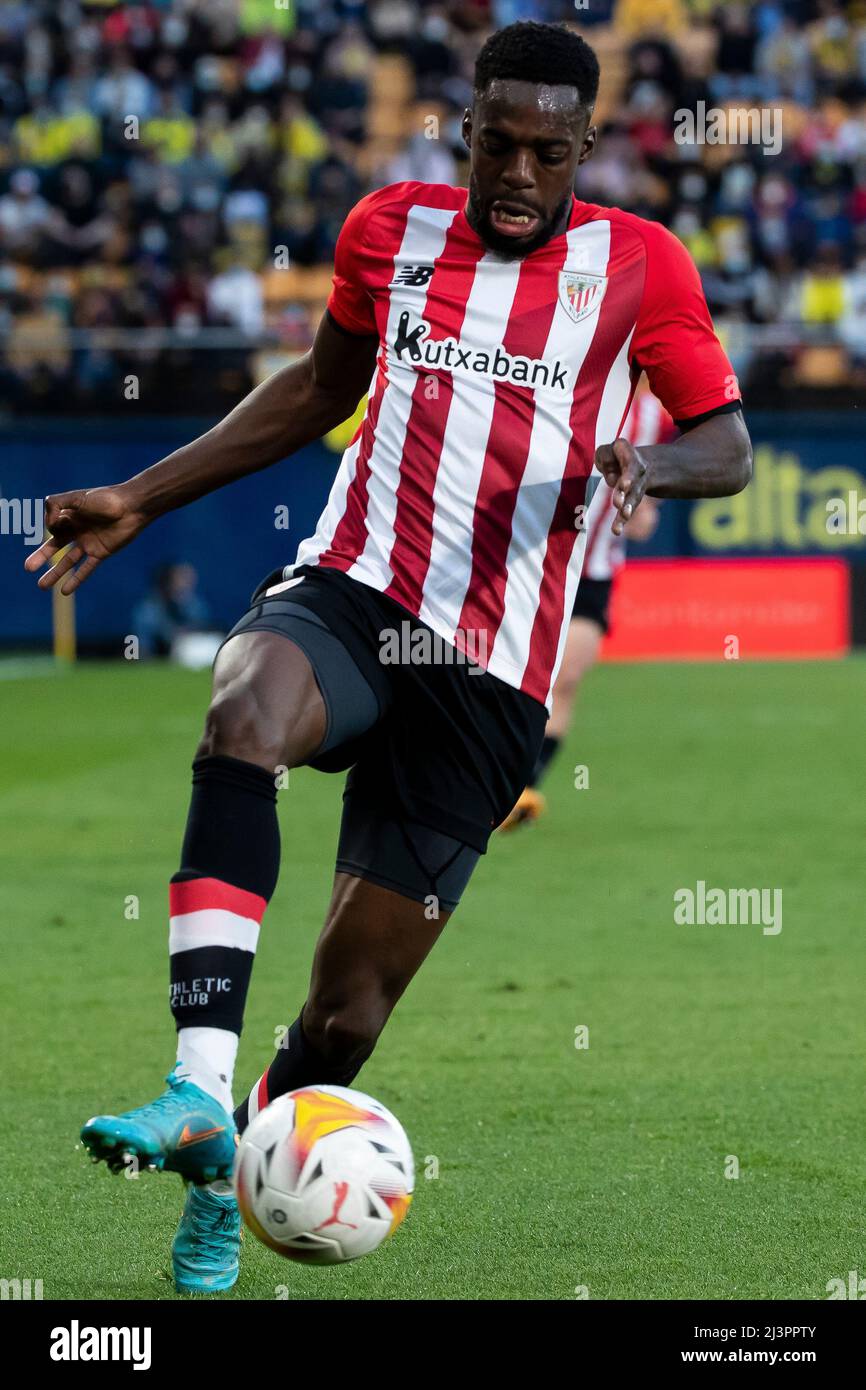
{"points": [[558, 1169]]}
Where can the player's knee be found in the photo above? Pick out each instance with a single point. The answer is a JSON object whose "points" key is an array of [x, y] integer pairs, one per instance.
{"points": [[566, 688], [345, 1033], [237, 727]]}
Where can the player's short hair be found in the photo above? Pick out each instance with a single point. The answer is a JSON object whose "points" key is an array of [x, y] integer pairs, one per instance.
{"points": [[549, 54]]}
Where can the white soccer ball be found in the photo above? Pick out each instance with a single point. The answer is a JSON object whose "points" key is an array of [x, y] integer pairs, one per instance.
{"points": [[324, 1174]]}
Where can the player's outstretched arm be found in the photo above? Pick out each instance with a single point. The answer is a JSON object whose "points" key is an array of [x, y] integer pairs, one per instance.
{"points": [[712, 460], [296, 405]]}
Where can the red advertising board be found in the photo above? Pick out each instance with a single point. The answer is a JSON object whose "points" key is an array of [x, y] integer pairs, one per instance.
{"points": [[694, 609]]}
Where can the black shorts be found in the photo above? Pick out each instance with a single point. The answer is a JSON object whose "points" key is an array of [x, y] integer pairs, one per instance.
{"points": [[440, 744], [592, 602]]}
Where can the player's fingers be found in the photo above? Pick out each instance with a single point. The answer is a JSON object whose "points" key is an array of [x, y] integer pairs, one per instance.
{"points": [[63, 566], [606, 463], [604, 456], [83, 572], [59, 503], [625, 501], [632, 479], [42, 555], [629, 460]]}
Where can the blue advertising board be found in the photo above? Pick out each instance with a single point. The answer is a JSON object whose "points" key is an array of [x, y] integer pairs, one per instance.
{"points": [[807, 497]]}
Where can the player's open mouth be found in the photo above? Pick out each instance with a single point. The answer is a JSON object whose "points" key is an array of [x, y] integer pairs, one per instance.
{"points": [[513, 219]]}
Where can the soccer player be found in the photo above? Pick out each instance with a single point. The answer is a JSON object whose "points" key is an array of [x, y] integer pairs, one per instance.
{"points": [[500, 335], [647, 423]]}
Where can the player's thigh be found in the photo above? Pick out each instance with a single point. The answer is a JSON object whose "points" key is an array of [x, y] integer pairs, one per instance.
{"points": [[581, 650], [266, 705]]}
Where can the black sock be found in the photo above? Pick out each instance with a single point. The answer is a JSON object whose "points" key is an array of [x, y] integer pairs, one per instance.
{"points": [[229, 867], [548, 750], [297, 1063]]}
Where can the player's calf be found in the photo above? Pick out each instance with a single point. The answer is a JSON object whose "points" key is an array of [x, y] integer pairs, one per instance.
{"points": [[372, 944], [345, 1033]]}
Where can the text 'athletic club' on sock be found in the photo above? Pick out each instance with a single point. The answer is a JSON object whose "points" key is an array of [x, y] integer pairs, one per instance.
{"points": [[213, 935]]}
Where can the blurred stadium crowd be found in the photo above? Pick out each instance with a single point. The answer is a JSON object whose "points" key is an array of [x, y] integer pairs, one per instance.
{"points": [[174, 174]]}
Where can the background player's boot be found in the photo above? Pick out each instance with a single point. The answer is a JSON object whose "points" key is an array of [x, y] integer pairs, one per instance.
{"points": [[530, 805], [204, 1254], [183, 1131]]}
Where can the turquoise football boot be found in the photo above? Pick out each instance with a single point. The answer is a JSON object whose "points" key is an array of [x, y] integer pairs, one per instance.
{"points": [[183, 1131], [204, 1254]]}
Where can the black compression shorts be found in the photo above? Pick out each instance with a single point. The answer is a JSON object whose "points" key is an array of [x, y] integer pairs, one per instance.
{"points": [[592, 601], [439, 751]]}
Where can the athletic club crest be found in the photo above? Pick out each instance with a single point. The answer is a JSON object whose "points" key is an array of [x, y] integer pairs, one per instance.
{"points": [[581, 294]]}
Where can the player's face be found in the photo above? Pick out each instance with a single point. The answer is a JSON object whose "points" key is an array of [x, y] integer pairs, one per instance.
{"points": [[525, 141]]}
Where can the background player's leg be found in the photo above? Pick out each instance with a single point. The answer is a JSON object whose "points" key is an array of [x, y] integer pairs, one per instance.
{"points": [[581, 652], [373, 942], [266, 712]]}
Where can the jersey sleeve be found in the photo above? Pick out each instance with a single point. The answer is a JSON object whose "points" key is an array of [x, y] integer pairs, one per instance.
{"points": [[674, 340], [350, 301]]}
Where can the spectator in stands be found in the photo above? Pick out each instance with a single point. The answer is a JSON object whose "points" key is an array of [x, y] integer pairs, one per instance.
{"points": [[37, 359], [258, 127], [783, 61], [26, 218], [650, 16], [424, 158], [852, 325], [172, 607], [734, 67], [235, 297], [819, 295], [124, 90]]}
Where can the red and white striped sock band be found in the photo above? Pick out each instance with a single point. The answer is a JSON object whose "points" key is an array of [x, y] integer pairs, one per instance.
{"points": [[213, 934]]}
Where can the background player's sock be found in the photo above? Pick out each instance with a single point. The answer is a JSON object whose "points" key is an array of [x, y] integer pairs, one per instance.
{"points": [[229, 867], [548, 750], [297, 1063]]}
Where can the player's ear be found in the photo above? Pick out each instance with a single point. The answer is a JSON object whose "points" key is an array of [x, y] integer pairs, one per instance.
{"points": [[587, 149], [466, 128]]}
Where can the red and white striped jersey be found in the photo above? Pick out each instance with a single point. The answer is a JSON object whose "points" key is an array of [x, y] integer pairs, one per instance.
{"points": [[495, 382], [647, 423]]}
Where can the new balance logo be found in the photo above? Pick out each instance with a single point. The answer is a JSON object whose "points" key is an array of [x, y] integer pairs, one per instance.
{"points": [[420, 350], [415, 275]]}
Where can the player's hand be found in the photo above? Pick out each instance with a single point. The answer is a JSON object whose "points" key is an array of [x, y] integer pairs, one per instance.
{"points": [[94, 523], [625, 471]]}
